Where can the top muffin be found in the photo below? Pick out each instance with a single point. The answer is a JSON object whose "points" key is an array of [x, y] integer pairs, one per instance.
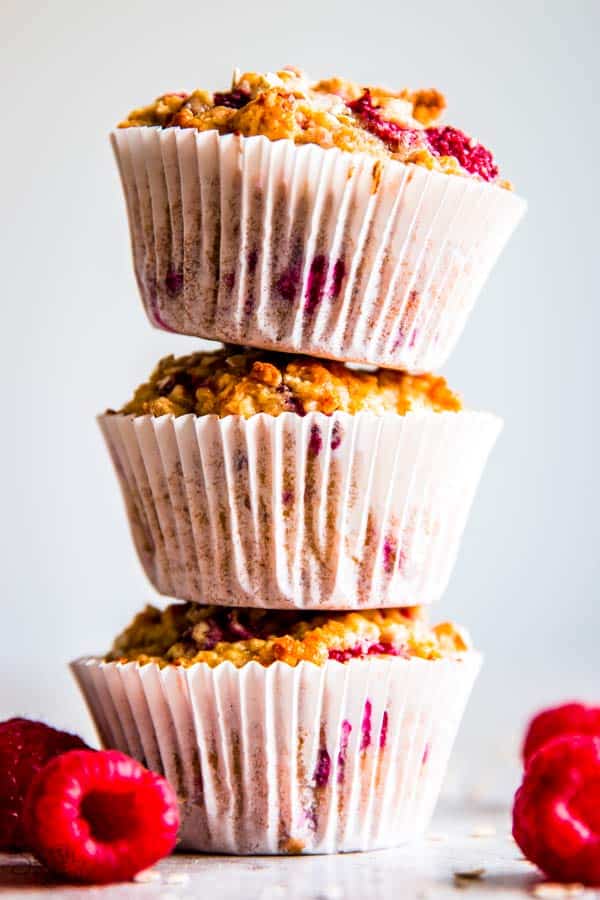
{"points": [[333, 112]]}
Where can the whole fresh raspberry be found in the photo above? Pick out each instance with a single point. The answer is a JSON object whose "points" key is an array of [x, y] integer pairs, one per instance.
{"points": [[99, 817], [25, 748], [473, 157], [571, 718], [556, 814]]}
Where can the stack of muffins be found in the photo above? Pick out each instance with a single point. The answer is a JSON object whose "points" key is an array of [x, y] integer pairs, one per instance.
{"points": [[303, 511]]}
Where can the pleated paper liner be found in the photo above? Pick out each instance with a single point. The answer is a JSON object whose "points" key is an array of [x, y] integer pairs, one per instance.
{"points": [[301, 249], [342, 757], [313, 512]]}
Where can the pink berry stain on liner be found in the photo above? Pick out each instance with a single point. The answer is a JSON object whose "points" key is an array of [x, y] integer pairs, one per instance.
{"points": [[174, 283], [288, 282], [389, 554], [384, 729], [341, 760], [157, 318], [315, 442], [323, 768], [337, 433], [321, 284], [365, 727], [229, 280], [324, 280]]}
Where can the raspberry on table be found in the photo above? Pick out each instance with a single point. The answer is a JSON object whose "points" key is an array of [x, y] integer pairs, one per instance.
{"points": [[99, 816], [25, 748], [570, 718], [556, 813]]}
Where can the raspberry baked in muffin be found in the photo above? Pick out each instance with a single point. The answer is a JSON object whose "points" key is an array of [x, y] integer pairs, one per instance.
{"points": [[327, 218], [252, 478], [287, 732]]}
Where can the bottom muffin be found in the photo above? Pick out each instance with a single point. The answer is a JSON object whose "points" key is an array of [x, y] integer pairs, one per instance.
{"points": [[287, 732]]}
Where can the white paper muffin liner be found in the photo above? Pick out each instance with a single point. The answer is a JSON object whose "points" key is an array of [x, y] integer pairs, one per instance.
{"points": [[297, 248], [346, 756], [314, 512]]}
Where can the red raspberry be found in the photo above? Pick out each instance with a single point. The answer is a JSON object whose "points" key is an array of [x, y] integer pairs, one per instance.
{"points": [[25, 748], [556, 814], [235, 99], [475, 158], [571, 718], [100, 817], [394, 134]]}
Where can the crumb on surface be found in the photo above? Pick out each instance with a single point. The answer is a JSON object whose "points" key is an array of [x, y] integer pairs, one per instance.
{"points": [[550, 889], [468, 877], [483, 831], [293, 846]]}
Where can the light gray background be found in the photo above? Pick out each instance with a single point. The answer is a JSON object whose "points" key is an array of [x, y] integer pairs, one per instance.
{"points": [[523, 77]]}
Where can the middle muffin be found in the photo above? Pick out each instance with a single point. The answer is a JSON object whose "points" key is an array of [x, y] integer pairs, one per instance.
{"points": [[262, 479]]}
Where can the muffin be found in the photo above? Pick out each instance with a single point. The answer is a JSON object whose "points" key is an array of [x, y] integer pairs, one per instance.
{"points": [[287, 732], [325, 218], [259, 479]]}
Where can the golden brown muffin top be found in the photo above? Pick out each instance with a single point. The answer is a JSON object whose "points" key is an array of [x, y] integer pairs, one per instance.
{"points": [[243, 382], [333, 112], [187, 633]]}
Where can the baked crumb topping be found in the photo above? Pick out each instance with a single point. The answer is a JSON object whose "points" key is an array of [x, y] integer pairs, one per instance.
{"points": [[186, 633], [333, 112], [243, 382]]}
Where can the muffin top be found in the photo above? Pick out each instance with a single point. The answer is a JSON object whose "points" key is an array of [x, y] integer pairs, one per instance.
{"points": [[333, 112], [187, 633], [243, 382]]}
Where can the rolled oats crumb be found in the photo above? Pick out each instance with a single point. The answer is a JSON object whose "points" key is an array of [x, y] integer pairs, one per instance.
{"points": [[483, 831], [266, 373], [187, 633], [332, 112], [255, 381], [466, 878]]}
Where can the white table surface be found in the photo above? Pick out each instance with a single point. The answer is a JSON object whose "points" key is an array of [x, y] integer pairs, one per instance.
{"points": [[460, 840]]}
